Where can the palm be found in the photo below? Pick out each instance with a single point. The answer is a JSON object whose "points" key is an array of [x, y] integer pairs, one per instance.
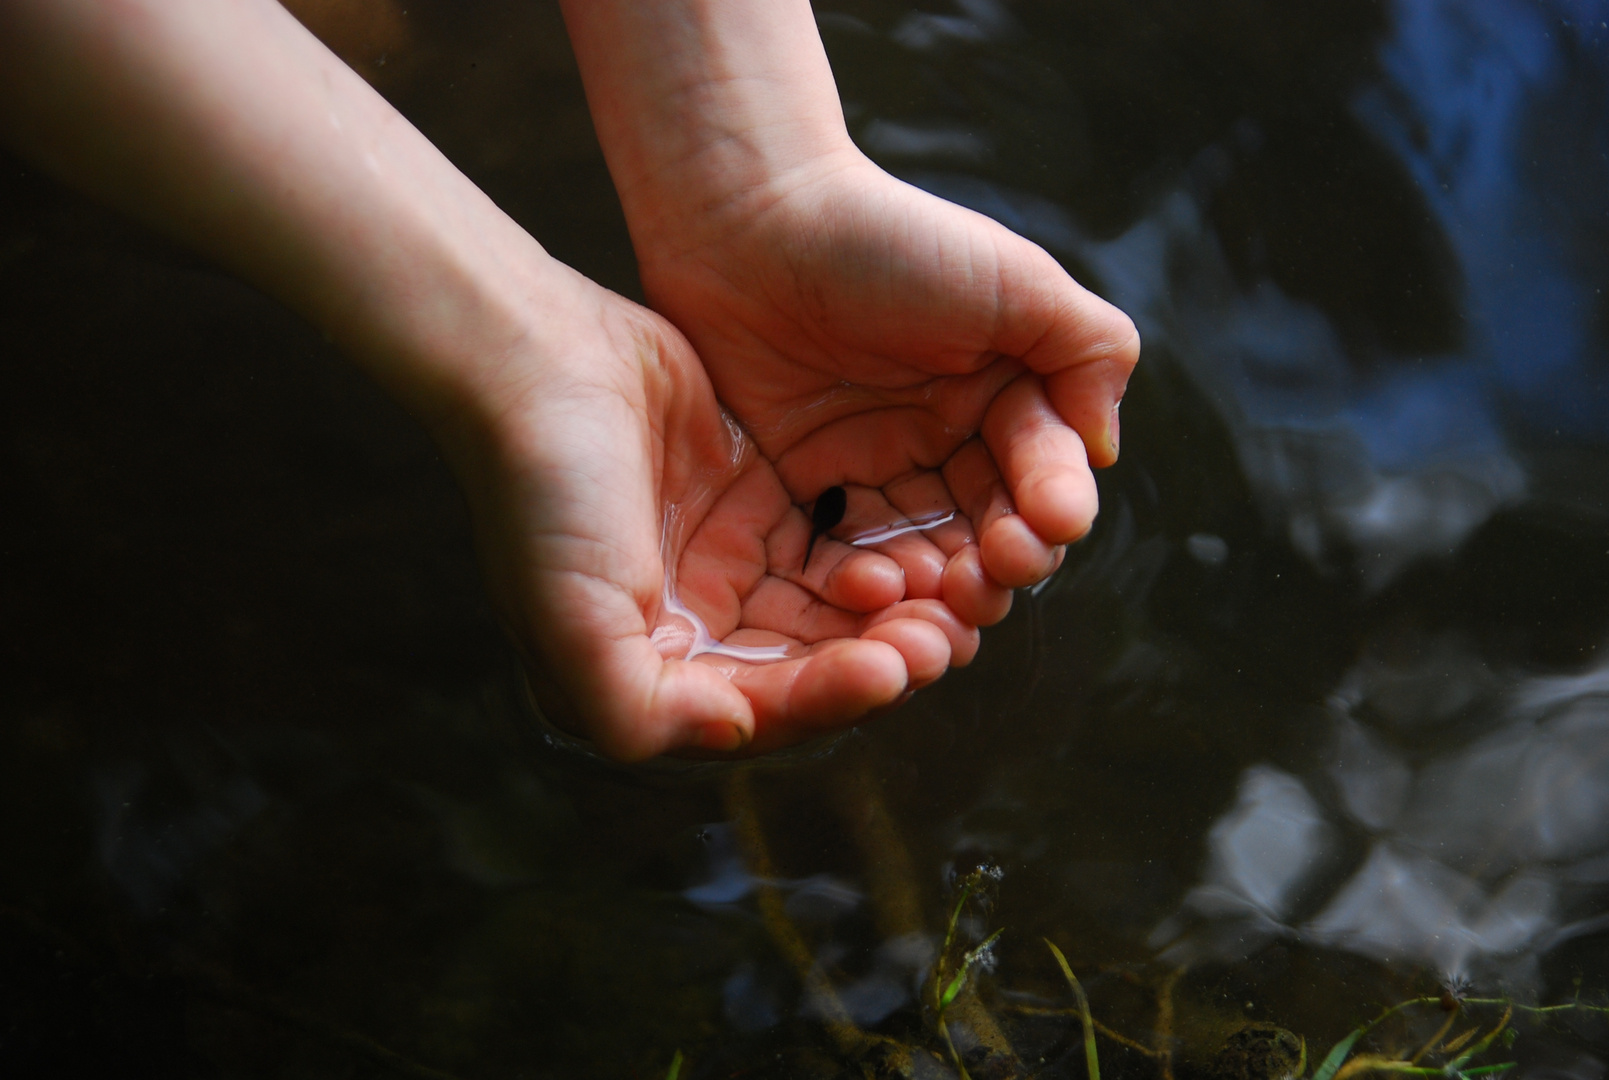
{"points": [[865, 331], [612, 463]]}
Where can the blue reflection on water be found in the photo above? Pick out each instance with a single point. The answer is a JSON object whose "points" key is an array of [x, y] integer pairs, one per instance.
{"points": [[1466, 87]]}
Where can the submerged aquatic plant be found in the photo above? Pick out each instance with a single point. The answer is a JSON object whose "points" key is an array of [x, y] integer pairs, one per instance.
{"points": [[1444, 1054], [1458, 1050], [973, 887], [947, 986], [1092, 1058], [957, 1024]]}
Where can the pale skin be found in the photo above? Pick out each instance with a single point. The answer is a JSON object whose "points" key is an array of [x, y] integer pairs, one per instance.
{"points": [[859, 331]]}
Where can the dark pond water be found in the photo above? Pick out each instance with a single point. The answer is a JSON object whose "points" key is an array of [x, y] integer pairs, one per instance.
{"points": [[1318, 716]]}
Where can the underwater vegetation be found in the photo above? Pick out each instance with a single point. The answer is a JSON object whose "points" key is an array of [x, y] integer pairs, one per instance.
{"points": [[964, 1029]]}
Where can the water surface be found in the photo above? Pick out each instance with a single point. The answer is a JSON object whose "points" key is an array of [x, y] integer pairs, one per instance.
{"points": [[1318, 714]]}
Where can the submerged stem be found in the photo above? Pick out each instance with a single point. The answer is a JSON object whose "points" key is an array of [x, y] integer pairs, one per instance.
{"points": [[1091, 1057]]}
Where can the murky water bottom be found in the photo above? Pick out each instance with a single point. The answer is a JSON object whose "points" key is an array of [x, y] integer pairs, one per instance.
{"points": [[1317, 715]]}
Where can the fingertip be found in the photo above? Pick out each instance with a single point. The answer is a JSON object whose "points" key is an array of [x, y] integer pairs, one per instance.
{"points": [[721, 737], [843, 682], [961, 637], [883, 670], [924, 648], [921, 564], [1102, 436], [690, 706], [1059, 502], [1043, 463], [1014, 555], [864, 581], [964, 647], [971, 593]]}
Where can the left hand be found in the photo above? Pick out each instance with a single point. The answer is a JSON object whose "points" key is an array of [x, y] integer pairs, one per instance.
{"points": [[869, 333]]}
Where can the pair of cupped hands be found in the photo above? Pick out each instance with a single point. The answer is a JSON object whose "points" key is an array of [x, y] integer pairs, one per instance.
{"points": [[638, 481], [841, 328]]}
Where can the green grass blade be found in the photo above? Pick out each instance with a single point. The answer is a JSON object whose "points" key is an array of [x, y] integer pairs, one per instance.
{"points": [[1091, 1058], [967, 886], [1479, 1048], [1332, 1061], [675, 1066], [1405, 1069], [956, 984], [953, 991]]}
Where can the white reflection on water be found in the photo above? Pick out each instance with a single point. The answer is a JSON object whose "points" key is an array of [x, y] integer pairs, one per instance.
{"points": [[1388, 472], [1372, 780], [1261, 850], [919, 523], [1258, 855], [1472, 845], [1403, 905], [1467, 82], [1536, 790], [898, 968], [694, 638]]}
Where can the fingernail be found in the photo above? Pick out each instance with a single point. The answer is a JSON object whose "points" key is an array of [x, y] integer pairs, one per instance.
{"points": [[1113, 427], [721, 737]]}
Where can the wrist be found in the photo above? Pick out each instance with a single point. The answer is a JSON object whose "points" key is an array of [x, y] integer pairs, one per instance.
{"points": [[464, 330], [706, 109]]}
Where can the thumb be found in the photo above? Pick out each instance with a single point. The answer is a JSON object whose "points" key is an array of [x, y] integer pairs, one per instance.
{"points": [[634, 704], [603, 677]]}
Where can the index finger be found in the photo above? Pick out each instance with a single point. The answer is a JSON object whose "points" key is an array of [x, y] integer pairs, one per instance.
{"points": [[1083, 347]]}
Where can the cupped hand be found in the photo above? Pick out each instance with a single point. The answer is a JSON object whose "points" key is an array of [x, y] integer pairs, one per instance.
{"points": [[869, 333], [650, 561]]}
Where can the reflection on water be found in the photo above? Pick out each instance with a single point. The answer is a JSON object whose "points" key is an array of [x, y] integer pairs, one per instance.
{"points": [[1374, 453], [1318, 713], [1462, 859]]}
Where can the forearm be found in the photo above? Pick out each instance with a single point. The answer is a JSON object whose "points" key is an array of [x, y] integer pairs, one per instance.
{"points": [[700, 104], [226, 125]]}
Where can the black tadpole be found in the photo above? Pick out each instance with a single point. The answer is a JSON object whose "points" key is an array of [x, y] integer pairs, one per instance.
{"points": [[828, 512]]}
